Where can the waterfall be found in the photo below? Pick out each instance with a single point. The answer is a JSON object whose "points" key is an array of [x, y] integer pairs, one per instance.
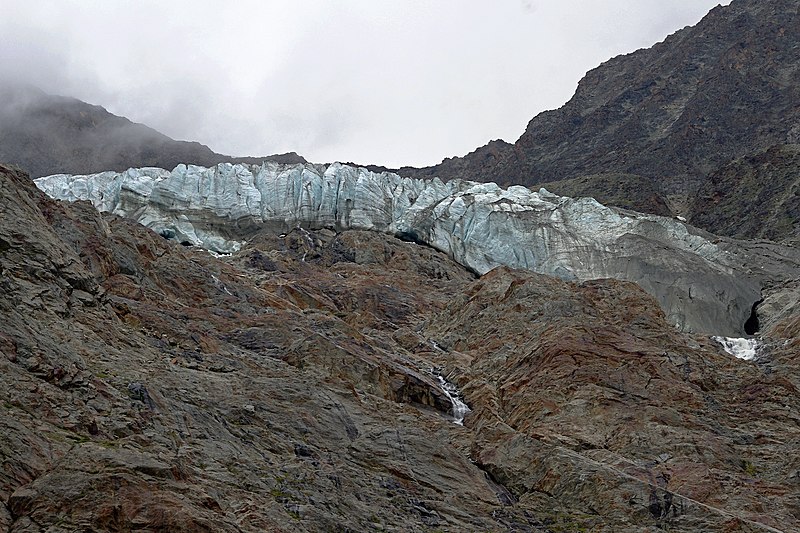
{"points": [[459, 408]]}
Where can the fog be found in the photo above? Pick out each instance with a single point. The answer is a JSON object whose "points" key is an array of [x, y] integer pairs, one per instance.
{"points": [[393, 83]]}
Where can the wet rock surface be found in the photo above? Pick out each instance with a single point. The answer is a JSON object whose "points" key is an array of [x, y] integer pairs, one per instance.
{"points": [[288, 387]]}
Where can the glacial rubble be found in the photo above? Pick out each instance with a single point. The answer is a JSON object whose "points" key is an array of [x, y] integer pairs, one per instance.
{"points": [[698, 283]]}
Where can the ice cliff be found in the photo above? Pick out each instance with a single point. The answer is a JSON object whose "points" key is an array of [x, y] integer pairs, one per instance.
{"points": [[480, 225]]}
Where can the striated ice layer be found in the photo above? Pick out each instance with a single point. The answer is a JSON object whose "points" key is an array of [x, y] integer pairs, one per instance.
{"points": [[479, 225], [742, 348]]}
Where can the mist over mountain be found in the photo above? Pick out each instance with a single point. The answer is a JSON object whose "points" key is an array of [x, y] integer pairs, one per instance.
{"points": [[47, 134], [669, 117], [650, 131]]}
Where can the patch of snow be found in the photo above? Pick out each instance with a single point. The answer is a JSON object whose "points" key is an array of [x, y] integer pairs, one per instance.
{"points": [[741, 348], [217, 255]]}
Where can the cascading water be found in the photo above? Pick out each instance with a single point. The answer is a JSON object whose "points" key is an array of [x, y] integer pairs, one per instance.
{"points": [[741, 348], [309, 240], [460, 409]]}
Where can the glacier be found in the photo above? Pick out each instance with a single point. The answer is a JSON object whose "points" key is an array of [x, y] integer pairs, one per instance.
{"points": [[479, 225]]}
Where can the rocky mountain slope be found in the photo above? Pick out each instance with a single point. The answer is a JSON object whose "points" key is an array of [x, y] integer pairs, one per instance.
{"points": [[672, 116], [294, 386], [46, 134], [757, 196], [304, 380]]}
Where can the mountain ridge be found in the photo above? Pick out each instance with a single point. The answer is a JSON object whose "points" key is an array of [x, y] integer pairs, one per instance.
{"points": [[48, 134], [673, 113]]}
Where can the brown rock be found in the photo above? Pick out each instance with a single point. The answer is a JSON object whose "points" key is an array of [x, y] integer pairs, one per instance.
{"points": [[296, 393]]}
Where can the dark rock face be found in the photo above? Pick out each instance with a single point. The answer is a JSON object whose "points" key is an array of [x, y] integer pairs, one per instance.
{"points": [[756, 197], [46, 134], [672, 114], [147, 385], [629, 191]]}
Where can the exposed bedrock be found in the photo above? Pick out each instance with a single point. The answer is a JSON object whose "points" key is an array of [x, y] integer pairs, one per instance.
{"points": [[699, 284]]}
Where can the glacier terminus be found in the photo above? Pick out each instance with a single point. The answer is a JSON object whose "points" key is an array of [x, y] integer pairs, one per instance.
{"points": [[479, 225]]}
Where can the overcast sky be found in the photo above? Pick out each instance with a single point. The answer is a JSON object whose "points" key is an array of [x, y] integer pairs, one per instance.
{"points": [[372, 81]]}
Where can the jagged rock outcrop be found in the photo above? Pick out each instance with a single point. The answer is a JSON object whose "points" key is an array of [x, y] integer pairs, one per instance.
{"points": [[287, 387], [479, 225]]}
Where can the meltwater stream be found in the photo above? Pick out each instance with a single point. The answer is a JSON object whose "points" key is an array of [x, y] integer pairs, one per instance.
{"points": [[460, 409], [739, 347]]}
